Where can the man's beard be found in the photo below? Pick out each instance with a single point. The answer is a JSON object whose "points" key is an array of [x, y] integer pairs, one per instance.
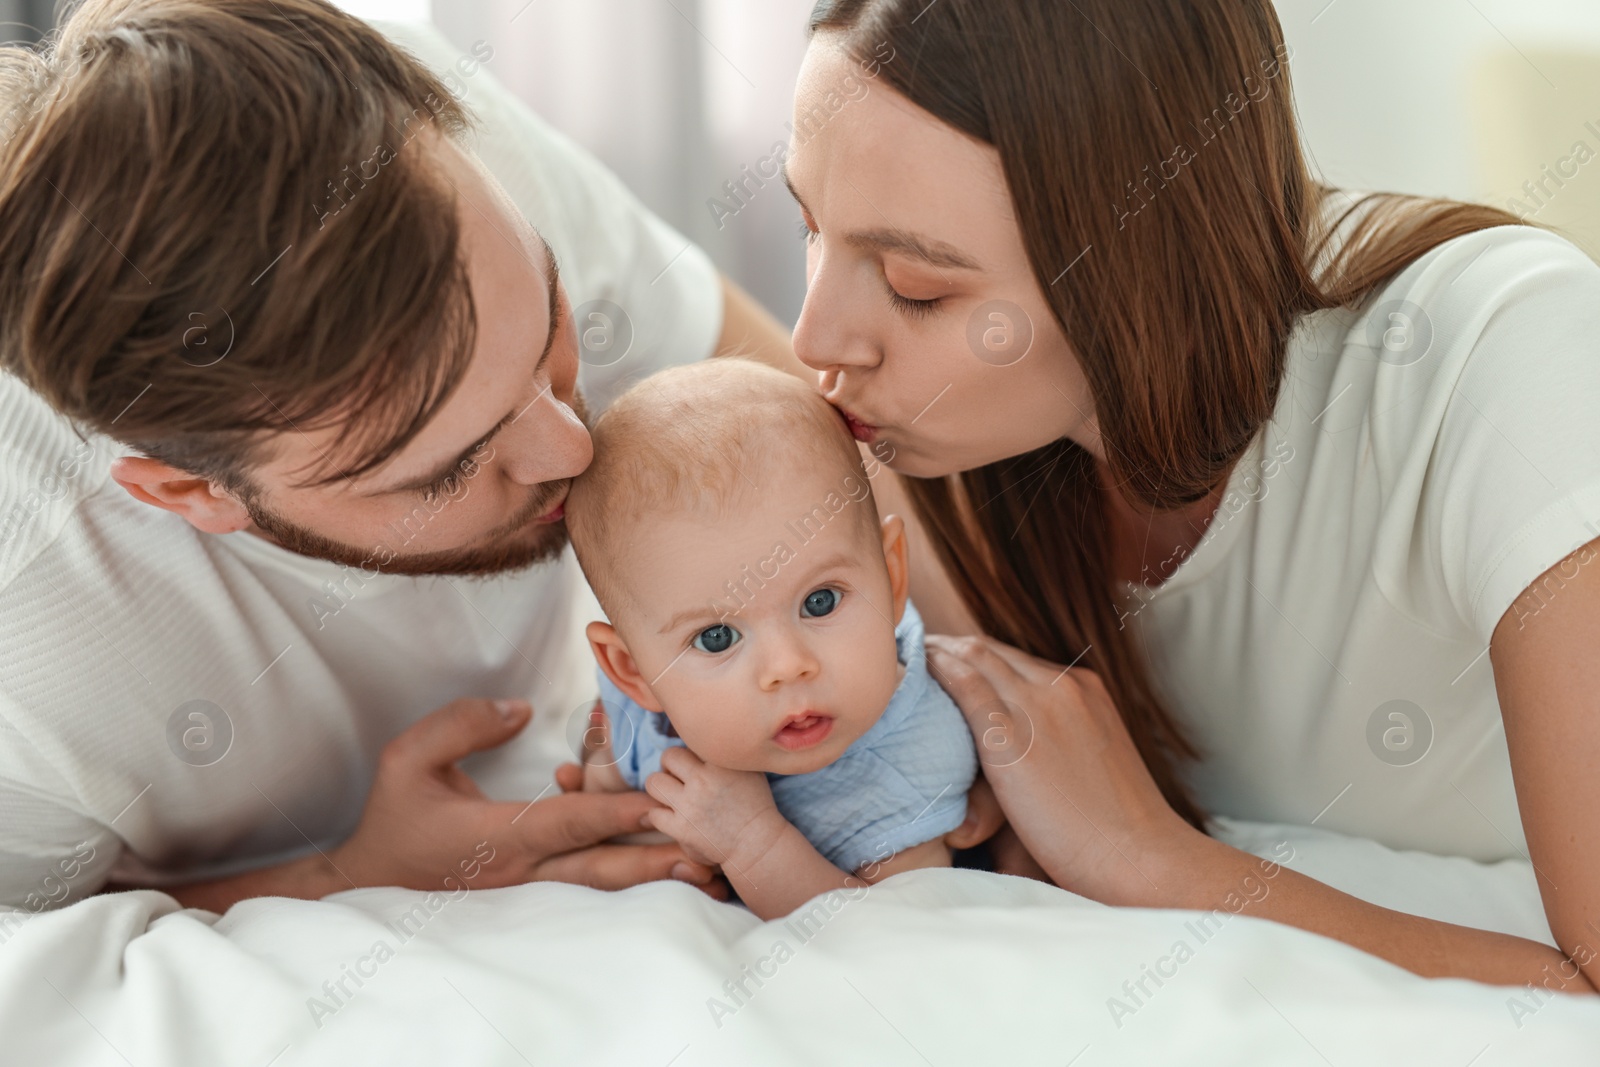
{"points": [[517, 545], [513, 546]]}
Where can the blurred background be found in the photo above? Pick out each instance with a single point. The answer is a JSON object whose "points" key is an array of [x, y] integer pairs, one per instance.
{"points": [[1493, 100]]}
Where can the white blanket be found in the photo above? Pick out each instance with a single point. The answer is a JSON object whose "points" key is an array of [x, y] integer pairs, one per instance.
{"points": [[932, 967]]}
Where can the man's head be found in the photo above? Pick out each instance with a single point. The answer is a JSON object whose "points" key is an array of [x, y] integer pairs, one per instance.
{"points": [[244, 239], [730, 532]]}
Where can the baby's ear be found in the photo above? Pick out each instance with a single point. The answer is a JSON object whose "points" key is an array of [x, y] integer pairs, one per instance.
{"points": [[896, 556], [619, 665], [984, 818]]}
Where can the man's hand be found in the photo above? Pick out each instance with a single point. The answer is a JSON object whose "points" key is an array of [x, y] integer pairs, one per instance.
{"points": [[425, 816], [599, 774], [719, 816], [599, 769], [426, 821]]}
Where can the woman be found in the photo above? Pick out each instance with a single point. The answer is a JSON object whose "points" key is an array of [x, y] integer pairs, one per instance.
{"points": [[1274, 501]]}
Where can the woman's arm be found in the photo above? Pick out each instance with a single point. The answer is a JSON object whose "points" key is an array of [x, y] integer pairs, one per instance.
{"points": [[1207, 874], [1546, 657], [1078, 795]]}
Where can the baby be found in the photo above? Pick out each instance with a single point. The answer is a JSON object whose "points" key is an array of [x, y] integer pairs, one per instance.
{"points": [[763, 671]]}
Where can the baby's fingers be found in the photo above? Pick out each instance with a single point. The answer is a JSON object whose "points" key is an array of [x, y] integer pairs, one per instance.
{"points": [[683, 832], [681, 762], [665, 788]]}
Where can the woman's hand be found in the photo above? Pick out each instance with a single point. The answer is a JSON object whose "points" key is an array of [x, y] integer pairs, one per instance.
{"points": [[1065, 771]]}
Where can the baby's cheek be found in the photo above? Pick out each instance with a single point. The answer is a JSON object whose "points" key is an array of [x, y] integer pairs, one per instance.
{"points": [[876, 678], [714, 731], [720, 747]]}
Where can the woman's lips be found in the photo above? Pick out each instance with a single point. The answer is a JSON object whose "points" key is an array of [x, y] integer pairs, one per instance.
{"points": [[804, 732], [864, 432]]}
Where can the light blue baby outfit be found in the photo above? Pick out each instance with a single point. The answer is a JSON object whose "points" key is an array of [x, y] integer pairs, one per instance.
{"points": [[901, 783]]}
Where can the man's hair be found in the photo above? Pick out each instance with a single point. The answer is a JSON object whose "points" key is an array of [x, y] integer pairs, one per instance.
{"points": [[707, 438], [217, 225]]}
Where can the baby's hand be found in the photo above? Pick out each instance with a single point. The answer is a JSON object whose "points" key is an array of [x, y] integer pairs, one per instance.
{"points": [[718, 816]]}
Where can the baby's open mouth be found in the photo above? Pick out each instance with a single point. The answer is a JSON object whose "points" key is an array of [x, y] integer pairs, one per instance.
{"points": [[804, 731]]}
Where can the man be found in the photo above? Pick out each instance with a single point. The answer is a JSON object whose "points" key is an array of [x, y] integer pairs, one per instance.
{"points": [[331, 376]]}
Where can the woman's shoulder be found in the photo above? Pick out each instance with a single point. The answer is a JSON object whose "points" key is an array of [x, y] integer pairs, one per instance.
{"points": [[1507, 293], [1449, 306], [1488, 263], [1483, 265], [1458, 401]]}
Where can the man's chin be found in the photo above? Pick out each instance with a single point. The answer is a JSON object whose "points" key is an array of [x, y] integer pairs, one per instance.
{"points": [[544, 544], [531, 546]]}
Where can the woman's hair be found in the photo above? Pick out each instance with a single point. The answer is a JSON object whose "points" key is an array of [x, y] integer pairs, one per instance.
{"points": [[1151, 145]]}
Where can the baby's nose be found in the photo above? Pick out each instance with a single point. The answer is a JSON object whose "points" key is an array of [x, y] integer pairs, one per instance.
{"points": [[787, 659]]}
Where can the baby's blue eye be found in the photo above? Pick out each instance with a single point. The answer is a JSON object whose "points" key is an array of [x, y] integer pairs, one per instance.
{"points": [[715, 639], [821, 602]]}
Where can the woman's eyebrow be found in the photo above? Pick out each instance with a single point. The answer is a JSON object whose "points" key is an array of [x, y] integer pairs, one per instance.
{"points": [[935, 253], [887, 239]]}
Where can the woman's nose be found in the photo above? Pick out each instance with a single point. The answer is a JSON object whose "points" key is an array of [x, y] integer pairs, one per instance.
{"points": [[833, 332]]}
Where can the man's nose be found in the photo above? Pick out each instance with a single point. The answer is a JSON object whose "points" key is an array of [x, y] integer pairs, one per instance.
{"points": [[547, 443]]}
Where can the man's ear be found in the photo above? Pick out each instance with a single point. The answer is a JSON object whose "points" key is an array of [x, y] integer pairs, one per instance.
{"points": [[619, 665], [204, 504], [896, 553]]}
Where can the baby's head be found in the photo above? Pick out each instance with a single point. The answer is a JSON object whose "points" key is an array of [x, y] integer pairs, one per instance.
{"points": [[729, 530]]}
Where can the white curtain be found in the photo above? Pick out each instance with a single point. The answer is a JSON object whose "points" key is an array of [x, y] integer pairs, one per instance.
{"points": [[676, 96]]}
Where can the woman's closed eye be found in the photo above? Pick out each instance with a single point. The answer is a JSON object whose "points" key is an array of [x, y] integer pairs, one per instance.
{"points": [[915, 309], [716, 639]]}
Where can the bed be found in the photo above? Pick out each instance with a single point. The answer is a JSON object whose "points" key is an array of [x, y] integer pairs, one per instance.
{"points": [[930, 967]]}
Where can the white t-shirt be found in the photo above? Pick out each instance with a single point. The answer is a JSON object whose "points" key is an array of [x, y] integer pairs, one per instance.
{"points": [[1430, 457], [115, 616]]}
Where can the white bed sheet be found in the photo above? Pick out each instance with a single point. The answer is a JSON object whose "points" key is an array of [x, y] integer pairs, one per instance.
{"points": [[932, 967]]}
